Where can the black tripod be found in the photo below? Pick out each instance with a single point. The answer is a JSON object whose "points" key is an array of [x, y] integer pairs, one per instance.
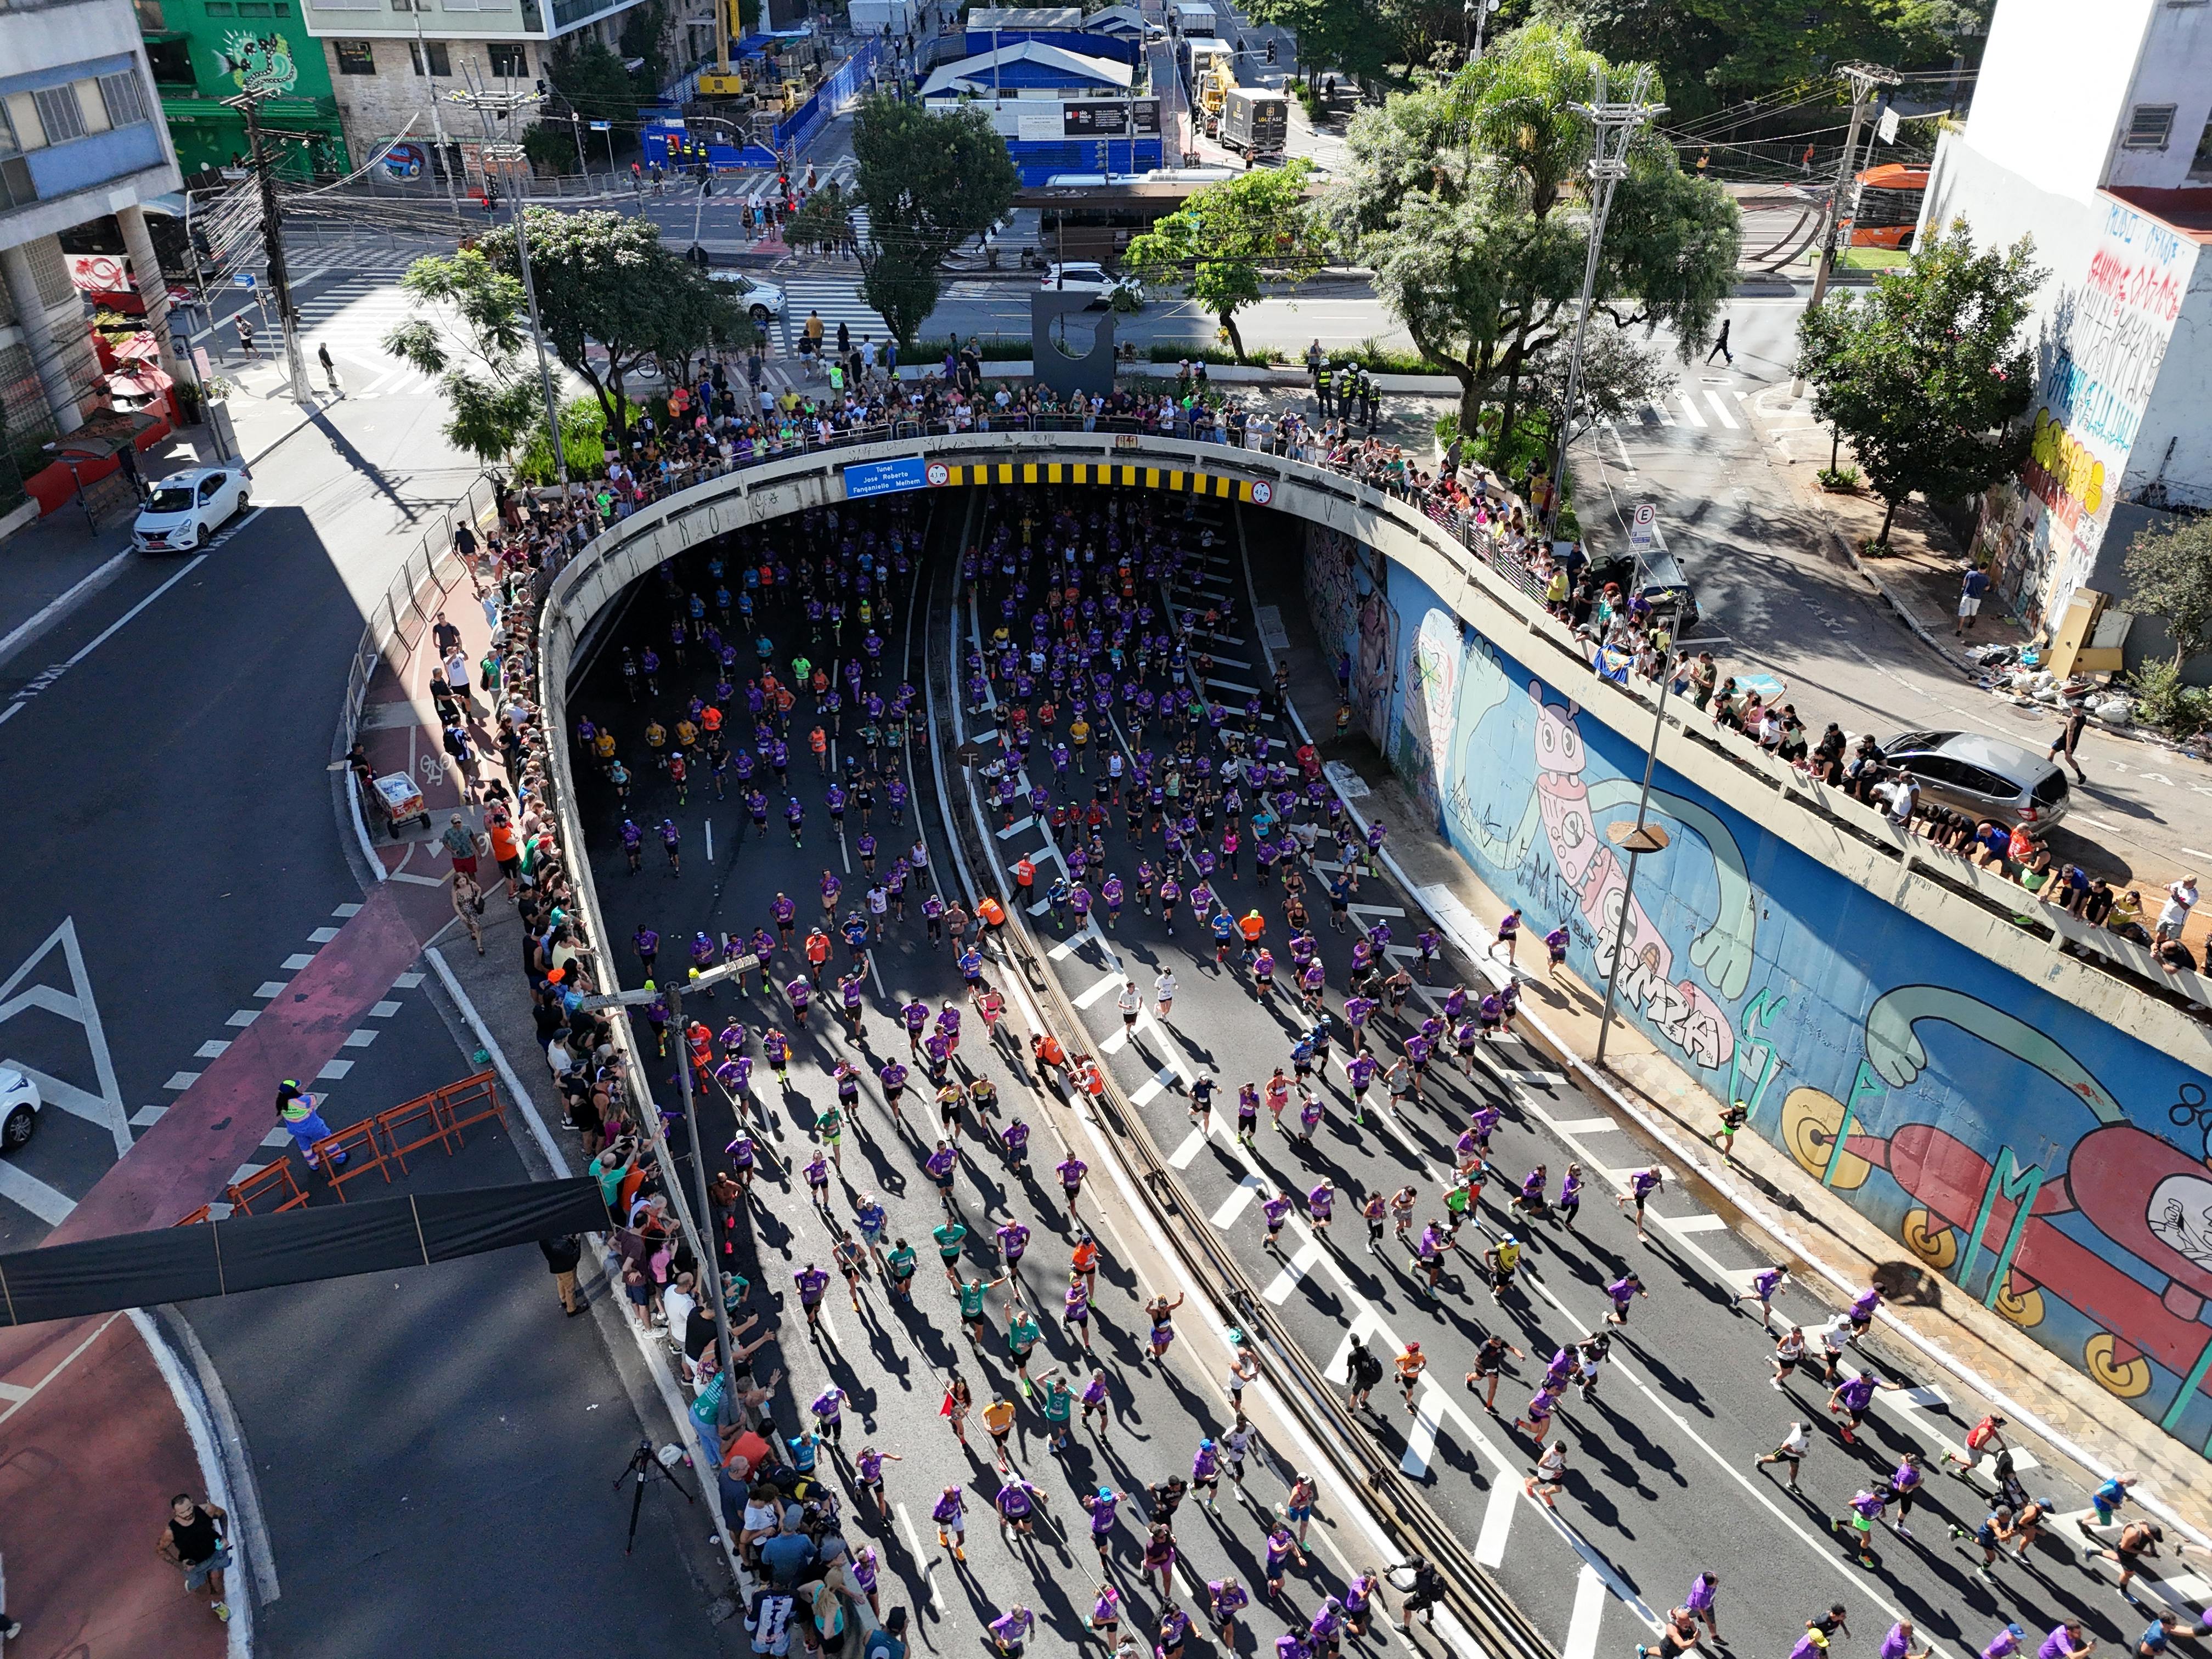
{"points": [[642, 1463]]}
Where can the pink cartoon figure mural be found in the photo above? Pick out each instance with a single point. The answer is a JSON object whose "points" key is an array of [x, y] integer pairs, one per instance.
{"points": [[1684, 1011]]}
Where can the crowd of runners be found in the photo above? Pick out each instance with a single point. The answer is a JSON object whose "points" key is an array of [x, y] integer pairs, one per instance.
{"points": [[777, 688]]}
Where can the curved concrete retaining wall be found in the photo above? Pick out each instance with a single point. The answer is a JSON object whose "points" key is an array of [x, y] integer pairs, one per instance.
{"points": [[2030, 1124]]}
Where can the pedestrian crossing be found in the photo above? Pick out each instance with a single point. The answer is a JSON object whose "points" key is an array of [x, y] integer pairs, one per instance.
{"points": [[352, 316], [838, 300]]}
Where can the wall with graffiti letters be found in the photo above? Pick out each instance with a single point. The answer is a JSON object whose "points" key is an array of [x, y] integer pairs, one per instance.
{"points": [[2109, 333], [2050, 1164]]}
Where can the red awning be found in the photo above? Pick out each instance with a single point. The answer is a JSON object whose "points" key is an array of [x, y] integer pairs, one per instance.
{"points": [[138, 348]]}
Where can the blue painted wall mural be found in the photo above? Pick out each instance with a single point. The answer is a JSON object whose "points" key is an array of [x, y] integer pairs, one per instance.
{"points": [[2052, 1166]]}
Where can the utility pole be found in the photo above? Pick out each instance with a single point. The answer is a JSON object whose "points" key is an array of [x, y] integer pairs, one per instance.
{"points": [[509, 158], [437, 125], [272, 244], [1613, 128], [1864, 78]]}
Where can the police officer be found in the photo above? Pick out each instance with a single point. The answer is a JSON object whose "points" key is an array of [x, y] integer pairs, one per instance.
{"points": [[1324, 379]]}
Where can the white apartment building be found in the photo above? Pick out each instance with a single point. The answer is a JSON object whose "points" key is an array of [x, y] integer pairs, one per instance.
{"points": [[2091, 131]]}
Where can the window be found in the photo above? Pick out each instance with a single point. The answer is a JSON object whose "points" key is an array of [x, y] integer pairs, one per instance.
{"points": [[58, 113], [436, 51], [254, 7], [2149, 127], [221, 8], [2200, 165], [510, 62], [91, 107], [27, 131], [124, 98], [354, 56], [172, 62]]}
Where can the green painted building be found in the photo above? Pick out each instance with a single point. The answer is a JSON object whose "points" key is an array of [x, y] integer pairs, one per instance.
{"points": [[203, 51]]}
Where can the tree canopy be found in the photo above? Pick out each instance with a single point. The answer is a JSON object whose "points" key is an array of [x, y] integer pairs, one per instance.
{"points": [[611, 299], [1466, 198], [929, 182], [2170, 577], [1228, 239], [1928, 375], [482, 363], [593, 80]]}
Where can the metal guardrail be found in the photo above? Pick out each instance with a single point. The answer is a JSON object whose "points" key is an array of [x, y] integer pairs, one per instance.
{"points": [[396, 621]]}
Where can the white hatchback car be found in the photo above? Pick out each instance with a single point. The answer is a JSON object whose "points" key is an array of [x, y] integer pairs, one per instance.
{"points": [[762, 300], [185, 508], [1086, 276], [19, 1108]]}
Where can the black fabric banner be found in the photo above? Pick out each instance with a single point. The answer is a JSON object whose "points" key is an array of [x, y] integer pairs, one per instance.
{"points": [[254, 1252]]}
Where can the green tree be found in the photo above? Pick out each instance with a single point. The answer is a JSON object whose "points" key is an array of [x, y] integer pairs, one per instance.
{"points": [[1351, 37], [1713, 52], [2170, 577], [1230, 239], [929, 182], [550, 146], [482, 361], [823, 221], [611, 299], [1464, 197], [593, 80], [1929, 374]]}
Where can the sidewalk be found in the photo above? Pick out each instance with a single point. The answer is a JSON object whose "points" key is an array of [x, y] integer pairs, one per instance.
{"points": [[1762, 1191], [93, 1432], [55, 562]]}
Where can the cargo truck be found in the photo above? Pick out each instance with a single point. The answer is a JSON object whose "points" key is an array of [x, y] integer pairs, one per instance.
{"points": [[1255, 123]]}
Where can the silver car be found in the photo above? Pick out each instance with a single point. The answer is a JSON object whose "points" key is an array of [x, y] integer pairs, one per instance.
{"points": [[1982, 777]]}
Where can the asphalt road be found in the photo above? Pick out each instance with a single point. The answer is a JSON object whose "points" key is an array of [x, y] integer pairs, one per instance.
{"points": [[175, 856], [1775, 596], [892, 1360], [1662, 1484]]}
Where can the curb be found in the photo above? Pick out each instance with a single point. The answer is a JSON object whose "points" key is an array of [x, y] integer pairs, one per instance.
{"points": [[1725, 1182]]}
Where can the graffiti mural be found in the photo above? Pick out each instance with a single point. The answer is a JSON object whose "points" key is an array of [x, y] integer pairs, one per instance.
{"points": [[260, 63], [2042, 537], [2052, 1166], [1347, 589]]}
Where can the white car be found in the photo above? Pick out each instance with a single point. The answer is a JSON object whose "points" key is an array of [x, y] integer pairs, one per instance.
{"points": [[1087, 276], [19, 1108], [762, 299], [187, 507]]}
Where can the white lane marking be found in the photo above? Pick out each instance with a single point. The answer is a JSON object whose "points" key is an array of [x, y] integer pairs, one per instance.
{"points": [[1589, 1614], [1497, 1521], [1279, 1288], [147, 1116], [333, 1071], [53, 609], [270, 988], [1580, 1126], [1248, 1188], [1152, 1087], [181, 1079], [1721, 413], [347, 910], [46, 679], [407, 982], [929, 1569], [1185, 1155], [32, 1194], [1690, 411], [1101, 989], [244, 1017], [1705, 1223], [209, 1049], [297, 960], [1421, 1439]]}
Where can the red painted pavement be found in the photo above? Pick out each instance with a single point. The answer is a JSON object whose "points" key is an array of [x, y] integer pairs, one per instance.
{"points": [[186, 1159], [88, 1465]]}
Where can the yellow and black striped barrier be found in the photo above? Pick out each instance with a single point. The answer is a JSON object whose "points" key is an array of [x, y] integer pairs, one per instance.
{"points": [[954, 474]]}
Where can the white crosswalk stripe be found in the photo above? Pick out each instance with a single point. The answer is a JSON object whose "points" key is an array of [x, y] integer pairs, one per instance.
{"points": [[352, 316], [838, 300]]}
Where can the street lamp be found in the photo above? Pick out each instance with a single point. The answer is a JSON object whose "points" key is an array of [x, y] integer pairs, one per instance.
{"points": [[1637, 838], [709, 1270], [509, 158]]}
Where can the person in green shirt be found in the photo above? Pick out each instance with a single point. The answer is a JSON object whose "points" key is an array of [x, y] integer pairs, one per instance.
{"points": [[949, 1236], [1459, 1199], [972, 1313], [829, 1125], [1058, 1406], [1022, 1334], [901, 1265]]}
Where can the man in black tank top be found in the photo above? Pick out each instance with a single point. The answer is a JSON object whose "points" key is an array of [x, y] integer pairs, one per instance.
{"points": [[192, 1540]]}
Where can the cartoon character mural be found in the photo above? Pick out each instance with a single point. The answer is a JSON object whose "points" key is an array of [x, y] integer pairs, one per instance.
{"points": [[259, 62], [1962, 1108], [2102, 1249]]}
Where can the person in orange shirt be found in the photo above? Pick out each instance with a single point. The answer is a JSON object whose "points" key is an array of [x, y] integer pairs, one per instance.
{"points": [[1025, 875], [993, 912], [1046, 1049], [819, 741], [506, 850], [817, 952], [1253, 927]]}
